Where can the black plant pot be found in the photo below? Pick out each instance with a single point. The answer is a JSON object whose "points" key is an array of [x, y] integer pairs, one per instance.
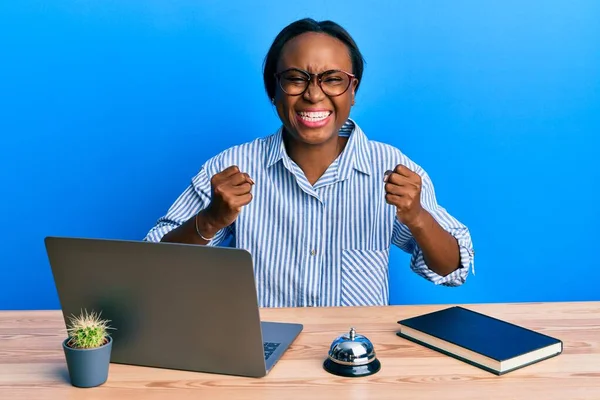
{"points": [[88, 367]]}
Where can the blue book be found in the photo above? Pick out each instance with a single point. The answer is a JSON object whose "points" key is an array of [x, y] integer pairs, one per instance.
{"points": [[488, 343]]}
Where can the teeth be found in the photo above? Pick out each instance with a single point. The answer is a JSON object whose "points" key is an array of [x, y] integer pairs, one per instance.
{"points": [[314, 116]]}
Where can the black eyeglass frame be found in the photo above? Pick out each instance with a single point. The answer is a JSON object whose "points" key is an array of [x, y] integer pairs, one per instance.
{"points": [[319, 77]]}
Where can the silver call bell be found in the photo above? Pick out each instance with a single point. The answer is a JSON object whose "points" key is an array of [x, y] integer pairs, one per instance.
{"points": [[352, 355]]}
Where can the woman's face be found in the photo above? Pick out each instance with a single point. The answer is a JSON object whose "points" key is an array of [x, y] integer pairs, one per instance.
{"points": [[313, 117]]}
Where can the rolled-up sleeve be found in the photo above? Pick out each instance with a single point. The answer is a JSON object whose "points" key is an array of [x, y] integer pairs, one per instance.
{"points": [[194, 198], [402, 237]]}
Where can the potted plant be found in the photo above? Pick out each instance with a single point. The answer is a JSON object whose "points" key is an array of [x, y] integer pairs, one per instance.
{"points": [[87, 349]]}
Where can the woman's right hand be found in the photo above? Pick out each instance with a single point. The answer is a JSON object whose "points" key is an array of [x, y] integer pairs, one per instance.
{"points": [[231, 190]]}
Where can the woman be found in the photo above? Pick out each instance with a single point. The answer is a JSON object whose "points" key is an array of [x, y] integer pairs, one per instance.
{"points": [[317, 204]]}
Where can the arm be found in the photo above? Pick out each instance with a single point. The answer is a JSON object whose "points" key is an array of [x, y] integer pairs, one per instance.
{"points": [[179, 224], [196, 230], [441, 246], [440, 249]]}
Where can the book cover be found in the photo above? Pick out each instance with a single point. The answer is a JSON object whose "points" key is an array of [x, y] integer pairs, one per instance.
{"points": [[481, 340]]}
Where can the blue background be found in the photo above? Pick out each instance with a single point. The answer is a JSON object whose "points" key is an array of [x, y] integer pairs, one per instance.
{"points": [[108, 108]]}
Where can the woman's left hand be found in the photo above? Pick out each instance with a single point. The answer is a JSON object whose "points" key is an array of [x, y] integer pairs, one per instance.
{"points": [[403, 190]]}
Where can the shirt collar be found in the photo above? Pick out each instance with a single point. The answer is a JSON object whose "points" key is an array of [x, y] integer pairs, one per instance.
{"points": [[356, 155], [275, 148]]}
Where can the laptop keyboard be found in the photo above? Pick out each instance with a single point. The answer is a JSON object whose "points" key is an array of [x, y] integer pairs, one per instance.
{"points": [[270, 347]]}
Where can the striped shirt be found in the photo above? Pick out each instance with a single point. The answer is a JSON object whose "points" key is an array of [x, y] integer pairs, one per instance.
{"points": [[325, 244]]}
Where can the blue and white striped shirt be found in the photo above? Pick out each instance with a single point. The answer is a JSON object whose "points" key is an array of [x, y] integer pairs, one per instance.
{"points": [[325, 244]]}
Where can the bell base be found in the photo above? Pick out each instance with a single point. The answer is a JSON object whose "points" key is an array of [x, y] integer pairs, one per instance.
{"points": [[352, 371]]}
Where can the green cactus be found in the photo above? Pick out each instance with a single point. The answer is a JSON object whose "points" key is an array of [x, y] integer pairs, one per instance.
{"points": [[87, 331]]}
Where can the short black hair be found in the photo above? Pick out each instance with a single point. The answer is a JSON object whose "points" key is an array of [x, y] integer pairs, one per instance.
{"points": [[302, 26]]}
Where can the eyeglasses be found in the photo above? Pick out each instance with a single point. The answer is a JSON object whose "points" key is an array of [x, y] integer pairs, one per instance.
{"points": [[294, 81]]}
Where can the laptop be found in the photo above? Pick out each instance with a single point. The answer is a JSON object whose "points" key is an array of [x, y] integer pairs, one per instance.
{"points": [[175, 306]]}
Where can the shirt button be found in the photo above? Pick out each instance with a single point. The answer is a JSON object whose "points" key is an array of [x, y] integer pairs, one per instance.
{"points": [[313, 252]]}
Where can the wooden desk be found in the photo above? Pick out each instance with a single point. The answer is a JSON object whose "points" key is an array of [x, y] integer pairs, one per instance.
{"points": [[32, 363]]}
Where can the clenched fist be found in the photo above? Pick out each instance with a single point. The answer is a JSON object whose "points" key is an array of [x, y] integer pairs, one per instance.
{"points": [[403, 190], [231, 190]]}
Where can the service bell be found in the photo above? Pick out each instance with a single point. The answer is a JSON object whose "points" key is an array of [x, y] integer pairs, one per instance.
{"points": [[352, 355]]}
